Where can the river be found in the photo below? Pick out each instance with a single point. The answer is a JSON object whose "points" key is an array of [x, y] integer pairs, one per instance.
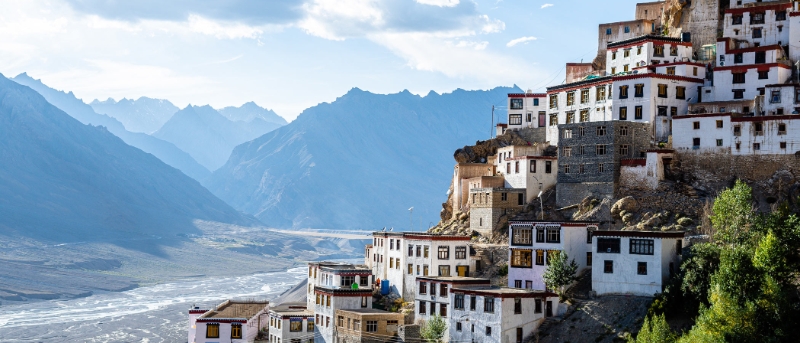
{"points": [[150, 314]]}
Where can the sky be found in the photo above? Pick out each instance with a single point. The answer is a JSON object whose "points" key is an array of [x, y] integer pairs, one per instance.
{"points": [[288, 55]]}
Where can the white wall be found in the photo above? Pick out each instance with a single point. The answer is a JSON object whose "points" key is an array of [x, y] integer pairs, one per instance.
{"points": [[685, 133], [532, 104], [503, 320], [770, 33], [625, 278]]}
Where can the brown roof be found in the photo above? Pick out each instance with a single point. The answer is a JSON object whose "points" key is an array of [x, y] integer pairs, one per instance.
{"points": [[236, 309]]}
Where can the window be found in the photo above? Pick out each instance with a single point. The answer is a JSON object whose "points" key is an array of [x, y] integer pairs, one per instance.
{"points": [[443, 290], [662, 90], [570, 98], [516, 104], [763, 75], [553, 101], [757, 18], [548, 167], [696, 142], [738, 58], [458, 301], [584, 116], [425, 255], [600, 149], [391, 262], [472, 303], [608, 267], [625, 68], [517, 306], [739, 93], [444, 270], [694, 71], [539, 257], [567, 151], [530, 117], [738, 145], [627, 29], [589, 258], [310, 325], [608, 245], [410, 269], [570, 117], [756, 32], [637, 112], [623, 92], [212, 331], [422, 307], [554, 235], [613, 55], [515, 119], [461, 253], [661, 111], [566, 169], [641, 246], [488, 304], [673, 51], [488, 331], [601, 131], [641, 268], [756, 146], [443, 309], [356, 325], [517, 283], [503, 197], [580, 169], [424, 270], [626, 53], [761, 57], [781, 129], [780, 15], [584, 96], [600, 167], [372, 326], [536, 102], [608, 32], [623, 113], [680, 92], [673, 111], [658, 50], [670, 70], [521, 258], [719, 142], [719, 124], [554, 119], [738, 78], [294, 326], [516, 167], [638, 90], [759, 128], [533, 167], [737, 130], [623, 150], [600, 93], [775, 97], [347, 281]]}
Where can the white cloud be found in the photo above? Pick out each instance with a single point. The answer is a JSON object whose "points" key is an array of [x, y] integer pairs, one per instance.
{"points": [[520, 40], [547, 5], [340, 19], [440, 3]]}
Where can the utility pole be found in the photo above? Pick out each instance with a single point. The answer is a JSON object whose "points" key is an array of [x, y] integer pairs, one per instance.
{"points": [[491, 131], [411, 217]]}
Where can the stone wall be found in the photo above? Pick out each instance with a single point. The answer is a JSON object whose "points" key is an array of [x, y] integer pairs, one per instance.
{"points": [[572, 193], [533, 134]]}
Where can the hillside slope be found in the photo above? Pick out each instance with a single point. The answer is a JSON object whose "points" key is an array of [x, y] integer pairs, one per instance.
{"points": [[165, 151], [359, 162], [65, 181]]}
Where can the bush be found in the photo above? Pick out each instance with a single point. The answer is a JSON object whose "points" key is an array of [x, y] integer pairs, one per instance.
{"points": [[503, 270]]}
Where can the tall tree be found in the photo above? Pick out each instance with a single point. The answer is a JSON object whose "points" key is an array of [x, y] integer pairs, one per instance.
{"points": [[433, 329], [560, 273]]}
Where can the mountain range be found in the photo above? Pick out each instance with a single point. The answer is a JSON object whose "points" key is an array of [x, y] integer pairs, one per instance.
{"points": [[144, 115], [209, 136], [63, 180], [359, 162], [165, 151]]}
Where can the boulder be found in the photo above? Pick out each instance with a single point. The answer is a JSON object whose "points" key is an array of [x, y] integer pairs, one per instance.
{"points": [[627, 204]]}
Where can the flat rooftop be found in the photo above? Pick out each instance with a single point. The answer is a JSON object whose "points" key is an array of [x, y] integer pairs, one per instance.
{"points": [[369, 311], [236, 309]]}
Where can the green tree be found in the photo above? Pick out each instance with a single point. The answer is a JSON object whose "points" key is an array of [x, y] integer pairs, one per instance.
{"points": [[655, 330], [733, 214], [701, 262], [560, 273], [433, 329]]}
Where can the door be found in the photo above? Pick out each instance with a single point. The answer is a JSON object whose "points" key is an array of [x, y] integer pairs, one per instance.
{"points": [[541, 120], [549, 309], [462, 271]]}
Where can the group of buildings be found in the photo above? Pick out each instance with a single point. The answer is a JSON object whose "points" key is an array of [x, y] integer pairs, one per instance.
{"points": [[435, 273], [649, 97]]}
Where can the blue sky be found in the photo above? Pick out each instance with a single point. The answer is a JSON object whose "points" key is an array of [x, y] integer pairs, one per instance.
{"points": [[288, 55]]}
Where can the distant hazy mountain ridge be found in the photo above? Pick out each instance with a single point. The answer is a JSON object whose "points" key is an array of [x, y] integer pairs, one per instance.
{"points": [[209, 137], [141, 115], [67, 102], [359, 162], [63, 180]]}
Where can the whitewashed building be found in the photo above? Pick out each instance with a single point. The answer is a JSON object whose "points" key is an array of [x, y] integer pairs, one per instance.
{"points": [[634, 262], [194, 312], [233, 321], [526, 110], [291, 323], [336, 275], [497, 315], [526, 167], [531, 243], [433, 296], [407, 255], [329, 299]]}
